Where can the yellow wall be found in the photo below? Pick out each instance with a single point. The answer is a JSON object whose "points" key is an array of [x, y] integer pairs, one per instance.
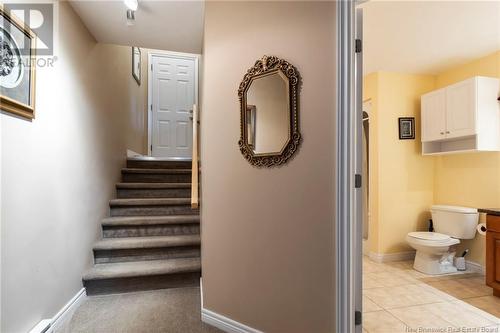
{"points": [[401, 179], [403, 183], [469, 179]]}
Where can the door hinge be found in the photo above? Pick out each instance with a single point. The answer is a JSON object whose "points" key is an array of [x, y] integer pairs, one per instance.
{"points": [[357, 318], [358, 46], [357, 181]]}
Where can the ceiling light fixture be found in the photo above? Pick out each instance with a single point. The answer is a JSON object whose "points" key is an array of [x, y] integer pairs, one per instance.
{"points": [[131, 4]]}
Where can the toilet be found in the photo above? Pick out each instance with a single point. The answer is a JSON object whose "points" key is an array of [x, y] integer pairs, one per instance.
{"points": [[451, 223]]}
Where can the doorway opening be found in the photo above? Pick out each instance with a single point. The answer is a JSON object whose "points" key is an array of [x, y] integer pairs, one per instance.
{"points": [[429, 125]]}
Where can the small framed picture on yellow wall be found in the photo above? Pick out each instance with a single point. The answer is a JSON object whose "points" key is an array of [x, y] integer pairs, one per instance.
{"points": [[406, 128]]}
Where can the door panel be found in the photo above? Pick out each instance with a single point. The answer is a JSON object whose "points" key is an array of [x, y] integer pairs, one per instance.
{"points": [[460, 107], [173, 96], [434, 116], [493, 259]]}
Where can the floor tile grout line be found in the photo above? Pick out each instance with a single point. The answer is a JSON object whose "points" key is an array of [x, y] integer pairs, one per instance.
{"points": [[378, 268]]}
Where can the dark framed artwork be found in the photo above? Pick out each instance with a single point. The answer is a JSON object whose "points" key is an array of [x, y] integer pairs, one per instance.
{"points": [[406, 128], [17, 66], [136, 64]]}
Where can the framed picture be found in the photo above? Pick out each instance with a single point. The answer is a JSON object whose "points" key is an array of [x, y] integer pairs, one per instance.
{"points": [[136, 64], [17, 67], [406, 128]]}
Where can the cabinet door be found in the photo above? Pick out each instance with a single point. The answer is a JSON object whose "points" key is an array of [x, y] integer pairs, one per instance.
{"points": [[461, 109], [433, 115], [493, 260]]}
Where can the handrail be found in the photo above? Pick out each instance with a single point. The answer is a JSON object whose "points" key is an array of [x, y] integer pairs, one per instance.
{"points": [[194, 165]]}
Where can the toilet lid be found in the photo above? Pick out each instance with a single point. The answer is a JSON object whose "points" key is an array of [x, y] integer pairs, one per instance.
{"points": [[432, 236]]}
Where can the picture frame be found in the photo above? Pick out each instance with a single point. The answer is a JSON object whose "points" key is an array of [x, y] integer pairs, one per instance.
{"points": [[406, 128], [18, 66], [136, 64]]}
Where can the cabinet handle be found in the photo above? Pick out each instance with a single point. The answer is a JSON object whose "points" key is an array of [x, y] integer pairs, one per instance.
{"points": [[447, 132], [442, 133]]}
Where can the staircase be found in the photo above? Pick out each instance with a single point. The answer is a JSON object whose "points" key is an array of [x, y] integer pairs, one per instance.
{"points": [[152, 238]]}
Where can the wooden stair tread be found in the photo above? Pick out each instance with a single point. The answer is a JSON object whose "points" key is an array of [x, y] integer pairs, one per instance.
{"points": [[146, 242], [150, 220], [142, 268]]}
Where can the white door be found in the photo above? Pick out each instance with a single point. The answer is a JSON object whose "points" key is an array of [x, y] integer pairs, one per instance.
{"points": [[460, 107], [173, 96], [434, 115]]}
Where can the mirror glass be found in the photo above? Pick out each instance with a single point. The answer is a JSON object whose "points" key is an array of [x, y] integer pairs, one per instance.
{"points": [[268, 113]]}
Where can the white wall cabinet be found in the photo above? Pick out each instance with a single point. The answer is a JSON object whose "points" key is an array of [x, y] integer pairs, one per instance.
{"points": [[462, 117]]}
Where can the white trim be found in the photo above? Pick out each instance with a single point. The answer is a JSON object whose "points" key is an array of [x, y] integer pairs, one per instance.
{"points": [[131, 153], [66, 312], [42, 327], [224, 323], [347, 220], [201, 292], [388, 257], [475, 267], [69, 309], [169, 54]]}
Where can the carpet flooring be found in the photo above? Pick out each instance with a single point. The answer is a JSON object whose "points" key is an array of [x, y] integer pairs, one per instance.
{"points": [[167, 310]]}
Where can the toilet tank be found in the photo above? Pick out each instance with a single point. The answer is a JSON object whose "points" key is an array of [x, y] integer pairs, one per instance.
{"points": [[454, 221]]}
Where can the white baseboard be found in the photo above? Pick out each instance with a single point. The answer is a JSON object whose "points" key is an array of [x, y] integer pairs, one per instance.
{"points": [[49, 325], [387, 257], [131, 153], [475, 267], [225, 324], [42, 327]]}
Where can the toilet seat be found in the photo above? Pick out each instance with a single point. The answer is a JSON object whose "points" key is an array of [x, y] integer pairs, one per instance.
{"points": [[432, 239]]}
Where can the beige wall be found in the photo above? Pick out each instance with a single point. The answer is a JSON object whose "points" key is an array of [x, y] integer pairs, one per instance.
{"points": [[469, 179], [58, 172], [401, 179], [267, 234]]}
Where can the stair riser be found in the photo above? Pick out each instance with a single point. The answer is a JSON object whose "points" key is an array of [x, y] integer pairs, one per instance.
{"points": [[122, 285], [152, 210], [142, 254], [158, 164], [154, 193], [156, 178], [150, 230]]}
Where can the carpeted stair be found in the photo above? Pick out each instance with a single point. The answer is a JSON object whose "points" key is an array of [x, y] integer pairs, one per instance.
{"points": [[152, 239]]}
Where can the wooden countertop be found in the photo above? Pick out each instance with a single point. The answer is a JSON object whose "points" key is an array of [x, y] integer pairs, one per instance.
{"points": [[490, 211]]}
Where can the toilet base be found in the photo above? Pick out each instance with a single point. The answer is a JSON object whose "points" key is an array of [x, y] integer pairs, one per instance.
{"points": [[432, 264]]}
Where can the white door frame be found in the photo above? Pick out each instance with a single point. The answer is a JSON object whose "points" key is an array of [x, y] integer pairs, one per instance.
{"points": [[167, 54], [348, 192]]}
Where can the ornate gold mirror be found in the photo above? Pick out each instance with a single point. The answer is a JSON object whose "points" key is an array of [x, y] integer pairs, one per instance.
{"points": [[269, 112]]}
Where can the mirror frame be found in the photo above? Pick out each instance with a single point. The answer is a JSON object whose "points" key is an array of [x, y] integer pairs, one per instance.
{"points": [[263, 67]]}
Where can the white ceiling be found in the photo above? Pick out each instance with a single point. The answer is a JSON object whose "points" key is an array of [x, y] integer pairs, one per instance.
{"points": [[428, 37], [165, 25]]}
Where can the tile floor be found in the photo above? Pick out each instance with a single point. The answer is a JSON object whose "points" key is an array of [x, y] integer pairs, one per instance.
{"points": [[396, 298]]}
